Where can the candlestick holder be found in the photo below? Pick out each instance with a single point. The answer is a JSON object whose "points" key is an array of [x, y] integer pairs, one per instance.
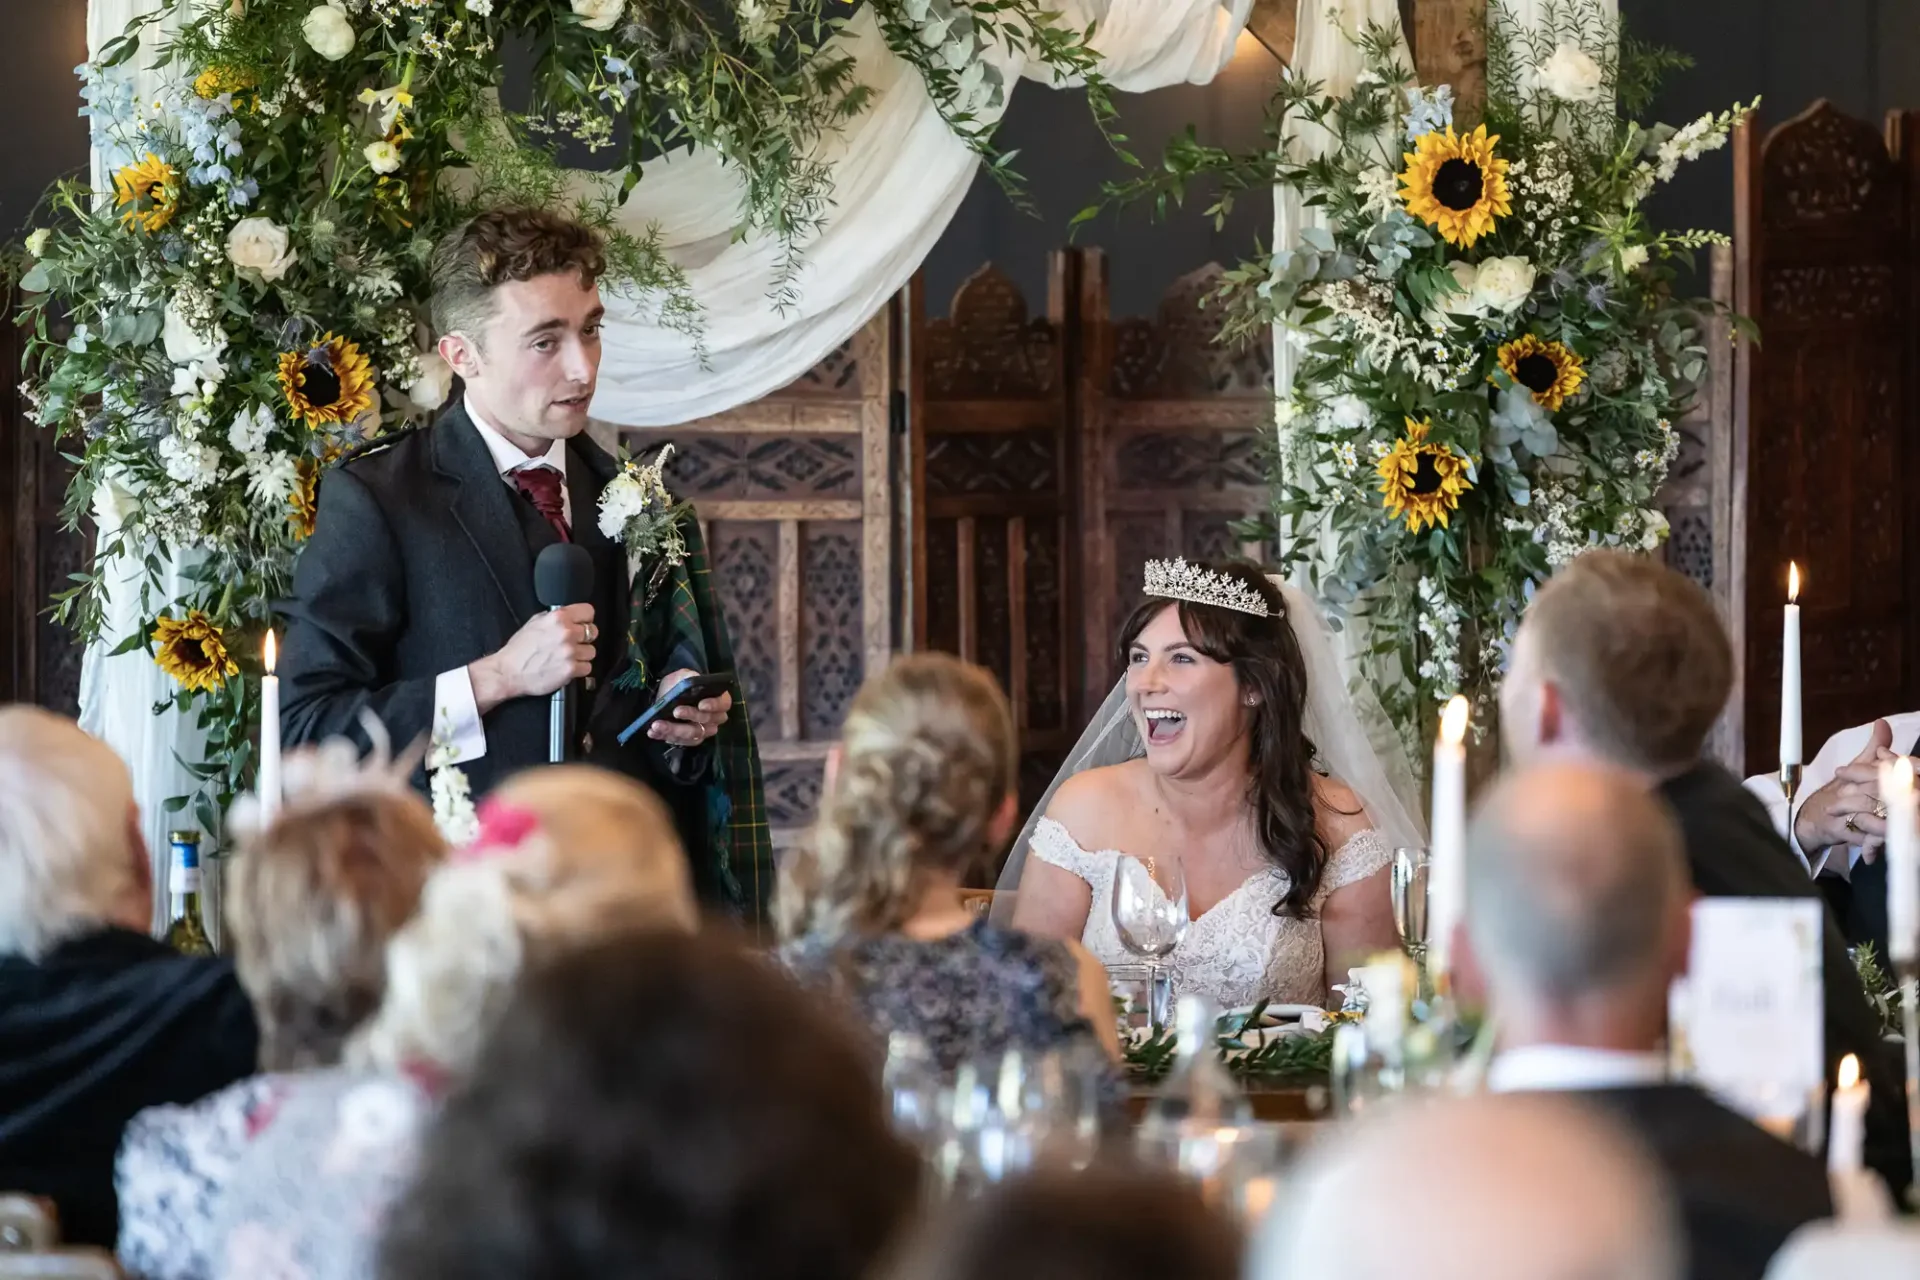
{"points": [[1790, 775], [1908, 972]]}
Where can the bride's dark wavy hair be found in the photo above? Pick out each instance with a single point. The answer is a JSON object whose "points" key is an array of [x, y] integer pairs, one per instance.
{"points": [[1266, 662]]}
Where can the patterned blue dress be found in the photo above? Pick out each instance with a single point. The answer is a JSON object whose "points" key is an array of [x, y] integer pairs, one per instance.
{"points": [[970, 996]]}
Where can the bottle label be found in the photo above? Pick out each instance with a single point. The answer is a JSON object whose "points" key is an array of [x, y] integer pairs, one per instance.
{"points": [[186, 853], [183, 880]]}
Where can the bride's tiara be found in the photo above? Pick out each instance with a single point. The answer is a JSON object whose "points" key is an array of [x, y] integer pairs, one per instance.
{"points": [[1177, 580]]}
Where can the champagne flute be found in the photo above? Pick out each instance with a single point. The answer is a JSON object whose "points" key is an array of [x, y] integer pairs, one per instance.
{"points": [[1409, 890], [1150, 916]]}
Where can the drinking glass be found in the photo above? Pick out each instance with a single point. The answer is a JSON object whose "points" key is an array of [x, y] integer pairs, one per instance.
{"points": [[1409, 888], [1150, 916]]}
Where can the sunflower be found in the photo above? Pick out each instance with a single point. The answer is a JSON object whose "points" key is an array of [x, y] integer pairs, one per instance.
{"points": [[216, 80], [1456, 185], [305, 499], [192, 651], [331, 381], [1422, 482], [1548, 369], [150, 190]]}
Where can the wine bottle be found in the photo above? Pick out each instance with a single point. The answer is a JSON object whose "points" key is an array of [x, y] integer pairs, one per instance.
{"points": [[188, 932]]}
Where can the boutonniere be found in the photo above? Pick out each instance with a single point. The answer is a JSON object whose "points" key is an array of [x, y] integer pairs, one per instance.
{"points": [[637, 512]]}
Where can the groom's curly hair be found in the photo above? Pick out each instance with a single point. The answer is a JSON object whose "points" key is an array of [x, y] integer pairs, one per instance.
{"points": [[504, 245], [1268, 665]]}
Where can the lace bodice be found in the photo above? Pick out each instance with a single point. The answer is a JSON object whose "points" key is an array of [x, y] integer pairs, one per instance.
{"points": [[1238, 952]]}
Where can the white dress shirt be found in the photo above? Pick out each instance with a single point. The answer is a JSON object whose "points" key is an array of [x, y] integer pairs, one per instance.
{"points": [[458, 735], [1552, 1067], [1838, 750]]}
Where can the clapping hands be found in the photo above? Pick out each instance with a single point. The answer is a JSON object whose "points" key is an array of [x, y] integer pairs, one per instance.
{"points": [[1848, 810]]}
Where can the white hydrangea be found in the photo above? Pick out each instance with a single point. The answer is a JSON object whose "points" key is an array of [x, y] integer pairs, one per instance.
{"points": [[622, 500], [1571, 75], [250, 428], [189, 462]]}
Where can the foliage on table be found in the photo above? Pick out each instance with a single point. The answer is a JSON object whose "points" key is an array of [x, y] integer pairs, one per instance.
{"points": [[246, 300], [1304, 1056], [1883, 993], [1491, 346]]}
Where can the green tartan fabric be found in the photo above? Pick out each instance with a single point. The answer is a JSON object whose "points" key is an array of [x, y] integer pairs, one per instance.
{"points": [[675, 621]]}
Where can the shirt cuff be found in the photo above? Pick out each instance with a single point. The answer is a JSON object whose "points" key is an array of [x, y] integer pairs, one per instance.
{"points": [[458, 735]]}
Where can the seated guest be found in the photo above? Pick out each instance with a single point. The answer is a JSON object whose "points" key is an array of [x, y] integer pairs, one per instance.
{"points": [[1621, 660], [1838, 822], [97, 1020], [922, 790], [1481, 1188], [565, 856], [659, 1106], [311, 904], [1104, 1224], [1576, 918]]}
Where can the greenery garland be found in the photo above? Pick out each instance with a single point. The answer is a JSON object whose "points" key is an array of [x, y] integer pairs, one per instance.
{"points": [[248, 300], [1492, 350]]}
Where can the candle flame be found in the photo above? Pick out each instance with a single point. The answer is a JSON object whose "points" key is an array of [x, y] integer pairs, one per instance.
{"points": [[1453, 721], [272, 651], [1849, 1071], [1793, 582]]}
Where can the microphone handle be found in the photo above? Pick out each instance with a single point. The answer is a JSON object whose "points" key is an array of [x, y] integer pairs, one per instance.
{"points": [[557, 721]]}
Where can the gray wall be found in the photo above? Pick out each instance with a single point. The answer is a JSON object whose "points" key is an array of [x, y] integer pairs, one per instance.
{"points": [[41, 137], [1864, 55]]}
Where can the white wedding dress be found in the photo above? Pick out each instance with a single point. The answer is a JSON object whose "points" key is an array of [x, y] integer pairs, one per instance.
{"points": [[1238, 952]]}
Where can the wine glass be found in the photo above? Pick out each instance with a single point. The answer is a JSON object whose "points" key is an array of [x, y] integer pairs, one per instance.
{"points": [[1150, 916], [1409, 889]]}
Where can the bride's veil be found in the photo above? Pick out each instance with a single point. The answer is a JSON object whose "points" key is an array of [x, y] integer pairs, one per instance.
{"points": [[1379, 775]]}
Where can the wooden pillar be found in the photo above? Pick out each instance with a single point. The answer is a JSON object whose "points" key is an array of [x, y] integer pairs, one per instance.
{"points": [[1449, 39]]}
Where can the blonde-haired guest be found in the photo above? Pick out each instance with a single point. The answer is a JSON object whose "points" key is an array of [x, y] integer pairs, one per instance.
{"points": [[923, 791], [312, 902], [566, 857]]}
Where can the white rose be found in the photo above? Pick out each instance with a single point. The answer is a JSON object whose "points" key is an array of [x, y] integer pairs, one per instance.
{"points": [[620, 501], [329, 32], [1570, 75], [37, 242], [261, 244], [598, 15], [1349, 412], [186, 345], [115, 499], [1503, 284], [383, 156], [1464, 302], [430, 386]]}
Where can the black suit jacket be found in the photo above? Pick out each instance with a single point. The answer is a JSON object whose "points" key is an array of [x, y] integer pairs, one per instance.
{"points": [[1734, 852], [1742, 1191], [93, 1033], [421, 561]]}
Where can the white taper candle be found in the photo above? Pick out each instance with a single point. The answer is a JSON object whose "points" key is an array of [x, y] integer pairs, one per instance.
{"points": [[268, 782], [1447, 869], [1903, 861], [1791, 750]]}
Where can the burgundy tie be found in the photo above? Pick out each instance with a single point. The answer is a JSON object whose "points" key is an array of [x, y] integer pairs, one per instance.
{"points": [[542, 487]]}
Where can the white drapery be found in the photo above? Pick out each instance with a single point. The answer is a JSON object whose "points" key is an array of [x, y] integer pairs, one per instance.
{"points": [[899, 174]]}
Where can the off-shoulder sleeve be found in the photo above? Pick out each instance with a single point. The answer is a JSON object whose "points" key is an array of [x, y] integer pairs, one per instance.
{"points": [[1362, 855], [1052, 843]]}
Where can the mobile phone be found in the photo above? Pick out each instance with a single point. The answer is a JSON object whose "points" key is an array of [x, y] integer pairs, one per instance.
{"points": [[686, 692]]}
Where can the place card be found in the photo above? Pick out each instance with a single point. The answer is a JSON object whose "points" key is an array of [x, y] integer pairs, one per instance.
{"points": [[1755, 1008]]}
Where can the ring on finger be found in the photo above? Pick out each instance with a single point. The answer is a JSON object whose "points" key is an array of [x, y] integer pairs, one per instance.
{"points": [[1879, 809], [1854, 826]]}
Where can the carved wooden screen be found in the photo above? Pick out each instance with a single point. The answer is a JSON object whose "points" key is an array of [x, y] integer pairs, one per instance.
{"points": [[39, 660], [793, 492], [1824, 229], [1172, 428], [992, 477]]}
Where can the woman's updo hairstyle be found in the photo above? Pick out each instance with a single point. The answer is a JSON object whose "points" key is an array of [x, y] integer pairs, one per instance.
{"points": [[927, 759], [1266, 661]]}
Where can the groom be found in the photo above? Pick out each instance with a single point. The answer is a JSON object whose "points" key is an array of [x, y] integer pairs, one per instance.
{"points": [[414, 598]]}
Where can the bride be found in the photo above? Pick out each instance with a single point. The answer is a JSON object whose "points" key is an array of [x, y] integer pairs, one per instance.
{"points": [[1220, 737]]}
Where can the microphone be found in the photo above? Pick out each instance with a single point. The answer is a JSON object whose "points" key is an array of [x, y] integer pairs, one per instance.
{"points": [[562, 575]]}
